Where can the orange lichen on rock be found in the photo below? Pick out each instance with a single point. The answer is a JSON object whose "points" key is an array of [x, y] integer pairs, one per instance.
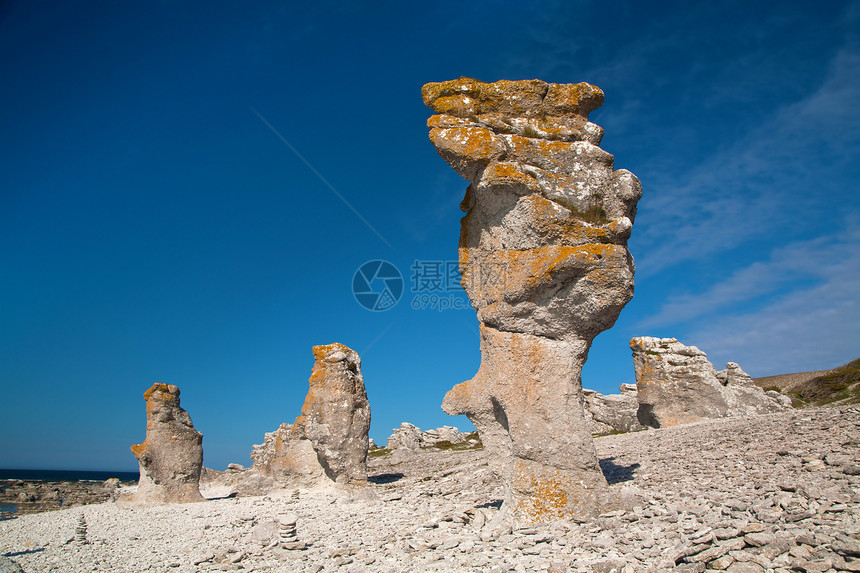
{"points": [[465, 97], [329, 440], [543, 255], [171, 456]]}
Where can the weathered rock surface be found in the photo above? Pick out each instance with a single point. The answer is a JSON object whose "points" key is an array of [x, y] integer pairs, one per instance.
{"points": [[288, 457], [677, 384], [171, 457], [410, 437], [744, 397], [543, 254], [611, 413], [328, 441], [765, 493]]}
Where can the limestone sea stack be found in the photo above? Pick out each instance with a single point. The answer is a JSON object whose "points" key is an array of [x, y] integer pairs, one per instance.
{"points": [[543, 254], [328, 441], [171, 457], [677, 384]]}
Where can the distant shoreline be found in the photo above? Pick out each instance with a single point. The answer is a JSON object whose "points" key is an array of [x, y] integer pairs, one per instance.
{"points": [[65, 475]]}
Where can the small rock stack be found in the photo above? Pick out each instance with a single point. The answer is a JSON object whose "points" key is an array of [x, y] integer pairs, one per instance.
{"points": [[81, 530], [289, 539]]}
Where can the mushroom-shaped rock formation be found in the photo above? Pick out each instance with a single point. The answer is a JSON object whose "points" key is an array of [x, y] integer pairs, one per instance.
{"points": [[543, 254], [171, 457]]}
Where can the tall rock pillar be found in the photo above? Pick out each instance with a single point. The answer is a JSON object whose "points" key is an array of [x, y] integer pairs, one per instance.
{"points": [[171, 457], [543, 254]]}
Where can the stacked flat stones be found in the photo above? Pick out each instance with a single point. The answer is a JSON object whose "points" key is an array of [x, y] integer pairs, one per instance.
{"points": [[288, 536]]}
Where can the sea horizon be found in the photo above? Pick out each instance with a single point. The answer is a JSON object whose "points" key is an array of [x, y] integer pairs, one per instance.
{"points": [[66, 475]]}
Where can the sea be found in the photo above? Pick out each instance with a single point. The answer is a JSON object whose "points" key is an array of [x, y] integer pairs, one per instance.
{"points": [[66, 475]]}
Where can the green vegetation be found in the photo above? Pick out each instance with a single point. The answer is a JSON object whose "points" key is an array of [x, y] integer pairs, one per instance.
{"points": [[612, 432], [378, 452], [472, 442], [774, 388], [842, 385]]}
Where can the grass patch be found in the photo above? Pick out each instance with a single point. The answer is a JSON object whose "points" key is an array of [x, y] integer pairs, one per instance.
{"points": [[472, 442], [612, 432], [843, 384], [378, 452]]}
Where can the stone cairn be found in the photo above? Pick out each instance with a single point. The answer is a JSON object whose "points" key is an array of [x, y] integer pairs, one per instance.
{"points": [[543, 254], [677, 384], [288, 537], [81, 530], [171, 457], [328, 441]]}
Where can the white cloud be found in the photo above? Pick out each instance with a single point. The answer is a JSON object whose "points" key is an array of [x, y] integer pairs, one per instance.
{"points": [[770, 176], [811, 329], [822, 260]]}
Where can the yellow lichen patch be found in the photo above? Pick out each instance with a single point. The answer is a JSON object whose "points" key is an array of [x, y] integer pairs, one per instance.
{"points": [[553, 222], [168, 389], [467, 144], [465, 96], [547, 493], [506, 175], [433, 91], [559, 157], [579, 99], [444, 120], [322, 350], [514, 271], [138, 449]]}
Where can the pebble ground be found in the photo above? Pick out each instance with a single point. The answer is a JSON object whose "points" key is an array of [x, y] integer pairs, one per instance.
{"points": [[776, 493]]}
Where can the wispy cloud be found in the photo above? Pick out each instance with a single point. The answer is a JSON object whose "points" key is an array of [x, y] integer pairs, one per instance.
{"points": [[810, 329], [770, 176], [823, 261]]}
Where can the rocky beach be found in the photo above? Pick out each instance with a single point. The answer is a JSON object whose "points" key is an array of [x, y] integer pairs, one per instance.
{"points": [[774, 492]]}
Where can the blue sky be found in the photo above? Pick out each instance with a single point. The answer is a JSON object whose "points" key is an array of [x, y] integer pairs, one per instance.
{"points": [[155, 226]]}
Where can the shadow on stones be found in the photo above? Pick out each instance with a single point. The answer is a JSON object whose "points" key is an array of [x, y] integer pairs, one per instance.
{"points": [[496, 503], [385, 478], [25, 552], [230, 495], [615, 473]]}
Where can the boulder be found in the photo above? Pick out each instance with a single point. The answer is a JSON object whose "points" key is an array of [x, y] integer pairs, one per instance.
{"points": [[407, 436], [744, 398], [328, 441], [677, 384], [613, 413], [544, 259], [410, 437], [171, 457]]}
